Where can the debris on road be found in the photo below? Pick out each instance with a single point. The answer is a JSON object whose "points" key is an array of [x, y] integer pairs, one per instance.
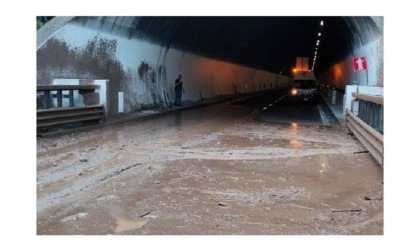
{"points": [[346, 210], [146, 213]]}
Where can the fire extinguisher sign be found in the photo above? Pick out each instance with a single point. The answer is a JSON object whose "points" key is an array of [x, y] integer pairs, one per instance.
{"points": [[359, 63]]}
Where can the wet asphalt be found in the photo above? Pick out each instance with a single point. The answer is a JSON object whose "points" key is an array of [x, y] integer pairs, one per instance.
{"points": [[278, 106]]}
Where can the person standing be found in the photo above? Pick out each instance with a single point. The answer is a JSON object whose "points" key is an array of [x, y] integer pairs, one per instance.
{"points": [[178, 91]]}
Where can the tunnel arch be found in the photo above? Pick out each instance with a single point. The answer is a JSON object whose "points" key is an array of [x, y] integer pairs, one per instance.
{"points": [[141, 56]]}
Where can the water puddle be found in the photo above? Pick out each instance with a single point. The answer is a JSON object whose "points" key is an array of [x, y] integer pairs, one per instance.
{"points": [[246, 141], [124, 225]]}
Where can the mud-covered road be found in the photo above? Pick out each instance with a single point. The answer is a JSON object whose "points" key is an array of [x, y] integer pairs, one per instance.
{"points": [[220, 169]]}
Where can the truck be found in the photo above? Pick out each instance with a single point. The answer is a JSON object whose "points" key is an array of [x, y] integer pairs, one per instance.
{"points": [[303, 82]]}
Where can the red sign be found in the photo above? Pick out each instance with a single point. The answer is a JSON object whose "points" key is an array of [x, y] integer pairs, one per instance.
{"points": [[359, 63]]}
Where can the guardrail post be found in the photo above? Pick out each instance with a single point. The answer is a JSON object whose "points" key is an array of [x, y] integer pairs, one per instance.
{"points": [[46, 99], [71, 98], [59, 98], [355, 106], [120, 102], [334, 97]]}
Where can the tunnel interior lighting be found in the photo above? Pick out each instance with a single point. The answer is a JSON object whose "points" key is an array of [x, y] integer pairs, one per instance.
{"points": [[316, 46]]}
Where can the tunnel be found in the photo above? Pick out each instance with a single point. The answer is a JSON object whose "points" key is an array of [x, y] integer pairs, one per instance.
{"points": [[250, 151], [140, 57]]}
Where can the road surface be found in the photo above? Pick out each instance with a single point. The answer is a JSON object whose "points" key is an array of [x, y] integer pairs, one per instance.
{"points": [[230, 168]]}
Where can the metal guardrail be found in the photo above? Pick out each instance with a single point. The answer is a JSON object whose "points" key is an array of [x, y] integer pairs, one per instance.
{"points": [[370, 98], [333, 94], [371, 110], [48, 116], [58, 116], [367, 126], [46, 89]]}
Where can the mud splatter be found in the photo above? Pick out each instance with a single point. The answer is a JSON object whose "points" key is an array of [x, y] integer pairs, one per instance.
{"points": [[96, 60], [146, 72]]}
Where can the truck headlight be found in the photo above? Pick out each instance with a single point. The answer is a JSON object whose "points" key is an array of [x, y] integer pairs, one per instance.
{"points": [[294, 91]]}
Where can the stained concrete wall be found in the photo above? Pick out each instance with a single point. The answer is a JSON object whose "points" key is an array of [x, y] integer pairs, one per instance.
{"points": [[367, 42], [145, 71]]}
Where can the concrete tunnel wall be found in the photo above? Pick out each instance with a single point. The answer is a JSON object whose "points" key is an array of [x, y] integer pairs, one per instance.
{"points": [[142, 56], [367, 41], [143, 70]]}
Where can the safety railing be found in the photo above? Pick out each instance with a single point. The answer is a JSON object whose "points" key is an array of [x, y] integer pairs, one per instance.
{"points": [[57, 116], [49, 115], [365, 120], [371, 110], [47, 95]]}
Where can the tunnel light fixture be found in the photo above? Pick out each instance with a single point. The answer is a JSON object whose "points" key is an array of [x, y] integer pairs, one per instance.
{"points": [[316, 47]]}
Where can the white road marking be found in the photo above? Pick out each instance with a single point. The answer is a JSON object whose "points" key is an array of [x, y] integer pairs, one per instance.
{"points": [[264, 108]]}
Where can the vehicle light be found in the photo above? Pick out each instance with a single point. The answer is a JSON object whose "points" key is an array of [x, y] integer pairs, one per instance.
{"points": [[294, 91]]}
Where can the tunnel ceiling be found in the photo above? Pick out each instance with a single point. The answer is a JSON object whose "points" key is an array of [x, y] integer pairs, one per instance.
{"points": [[268, 43]]}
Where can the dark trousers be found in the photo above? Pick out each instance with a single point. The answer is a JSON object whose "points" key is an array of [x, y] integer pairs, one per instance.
{"points": [[178, 94]]}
